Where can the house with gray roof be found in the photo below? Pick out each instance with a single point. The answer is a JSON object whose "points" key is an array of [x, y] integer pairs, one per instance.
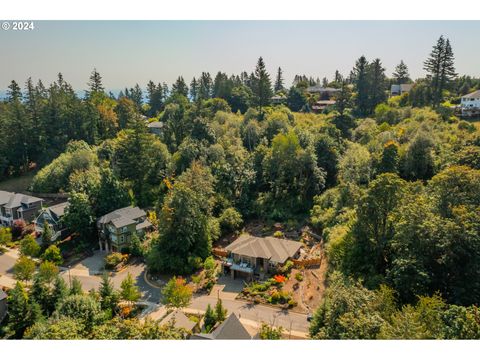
{"points": [[230, 329], [115, 229], [155, 127], [52, 215], [16, 206], [400, 89], [180, 321], [249, 255]]}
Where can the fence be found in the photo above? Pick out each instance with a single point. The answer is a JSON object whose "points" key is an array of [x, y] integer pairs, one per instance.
{"points": [[219, 252], [307, 262]]}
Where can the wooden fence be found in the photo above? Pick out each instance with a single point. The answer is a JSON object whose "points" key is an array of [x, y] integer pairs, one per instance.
{"points": [[307, 262], [219, 252]]}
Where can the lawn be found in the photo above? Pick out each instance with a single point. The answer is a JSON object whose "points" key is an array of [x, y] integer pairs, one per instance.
{"points": [[18, 184]]}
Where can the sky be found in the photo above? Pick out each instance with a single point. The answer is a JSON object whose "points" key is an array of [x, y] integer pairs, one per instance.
{"points": [[130, 52]]}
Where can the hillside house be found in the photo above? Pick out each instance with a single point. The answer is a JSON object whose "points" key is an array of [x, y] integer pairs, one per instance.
{"points": [[15, 206], [54, 216], [115, 229], [400, 89], [250, 255], [324, 93], [470, 104], [155, 127]]}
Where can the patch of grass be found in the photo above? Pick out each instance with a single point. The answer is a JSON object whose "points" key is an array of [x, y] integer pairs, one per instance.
{"points": [[17, 184]]}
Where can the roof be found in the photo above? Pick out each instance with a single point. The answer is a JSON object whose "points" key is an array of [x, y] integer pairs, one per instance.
{"points": [[122, 217], [231, 328], [401, 87], [155, 124], [59, 209], [3, 294], [321, 89], [278, 250], [143, 225], [180, 319], [473, 95], [13, 200]]}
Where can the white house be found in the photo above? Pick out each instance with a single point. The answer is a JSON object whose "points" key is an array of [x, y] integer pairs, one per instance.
{"points": [[470, 104]]}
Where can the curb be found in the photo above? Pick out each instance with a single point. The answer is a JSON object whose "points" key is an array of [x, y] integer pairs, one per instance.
{"points": [[145, 278]]}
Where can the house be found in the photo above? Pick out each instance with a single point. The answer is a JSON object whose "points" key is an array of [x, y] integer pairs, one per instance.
{"points": [[3, 305], [230, 329], [116, 228], [324, 93], [15, 206], [400, 89], [470, 104], [250, 255], [278, 100], [180, 321], [155, 127], [53, 215], [321, 105]]}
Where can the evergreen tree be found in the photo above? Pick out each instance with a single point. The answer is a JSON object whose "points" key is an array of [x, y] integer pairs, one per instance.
{"points": [[95, 84], [108, 296], [194, 89], [390, 158], [205, 86], [59, 292], [343, 98], [361, 83], [22, 311], [279, 81], [377, 86], [180, 87], [338, 78], [129, 291], [112, 194], [209, 319], [155, 97], [46, 235], [262, 87], [401, 74], [76, 287], [220, 311], [440, 68]]}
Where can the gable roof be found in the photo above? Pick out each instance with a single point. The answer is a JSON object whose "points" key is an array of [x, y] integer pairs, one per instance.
{"points": [[180, 319], [473, 95], [13, 200], [59, 209], [278, 250], [231, 328], [155, 124], [122, 217], [3, 294]]}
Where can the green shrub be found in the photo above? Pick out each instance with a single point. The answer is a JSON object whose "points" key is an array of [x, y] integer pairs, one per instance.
{"points": [[230, 220], [298, 277], [278, 234], [114, 259]]}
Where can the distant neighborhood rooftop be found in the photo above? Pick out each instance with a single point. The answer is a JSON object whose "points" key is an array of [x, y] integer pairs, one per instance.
{"points": [[278, 250], [59, 209], [3, 294], [321, 89], [155, 124]]}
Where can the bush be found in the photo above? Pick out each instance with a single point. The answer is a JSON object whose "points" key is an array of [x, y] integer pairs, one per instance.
{"points": [[53, 255], [285, 269], [278, 234], [114, 259], [18, 228], [298, 277], [230, 220]]}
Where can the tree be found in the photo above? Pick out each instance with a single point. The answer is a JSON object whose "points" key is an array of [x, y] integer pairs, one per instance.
{"points": [[296, 99], [268, 332], [209, 319], [129, 291], [186, 230], [59, 292], [95, 84], [18, 228], [5, 236], [419, 160], [220, 311], [22, 311], [112, 193], [108, 296], [176, 293], [46, 234], [262, 87], [390, 158], [48, 271], [76, 286], [29, 246], [24, 268], [180, 87], [53, 255], [440, 68], [83, 308], [343, 98], [362, 86], [79, 216], [401, 74], [377, 89], [279, 81]]}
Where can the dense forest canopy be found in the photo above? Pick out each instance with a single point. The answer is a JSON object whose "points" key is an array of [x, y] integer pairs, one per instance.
{"points": [[391, 183]]}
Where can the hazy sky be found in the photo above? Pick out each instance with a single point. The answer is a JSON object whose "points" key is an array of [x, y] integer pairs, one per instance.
{"points": [[129, 52]]}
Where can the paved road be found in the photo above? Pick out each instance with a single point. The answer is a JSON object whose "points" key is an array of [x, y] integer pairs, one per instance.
{"points": [[259, 313]]}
